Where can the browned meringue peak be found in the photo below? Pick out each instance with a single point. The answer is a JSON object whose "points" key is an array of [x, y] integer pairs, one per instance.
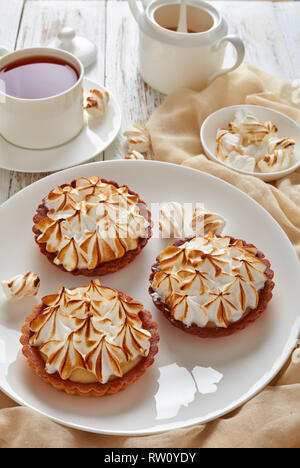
{"points": [[93, 223], [227, 142], [63, 200], [21, 286], [94, 329], [209, 281], [200, 250], [278, 161], [281, 144]]}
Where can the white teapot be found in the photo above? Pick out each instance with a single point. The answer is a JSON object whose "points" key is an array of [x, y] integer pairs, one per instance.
{"points": [[171, 59]]}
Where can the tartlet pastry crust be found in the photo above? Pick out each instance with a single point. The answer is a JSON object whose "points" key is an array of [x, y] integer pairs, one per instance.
{"points": [[265, 295], [106, 267], [97, 389]]}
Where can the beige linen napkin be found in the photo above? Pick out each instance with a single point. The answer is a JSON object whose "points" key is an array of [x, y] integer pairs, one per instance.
{"points": [[271, 419]]}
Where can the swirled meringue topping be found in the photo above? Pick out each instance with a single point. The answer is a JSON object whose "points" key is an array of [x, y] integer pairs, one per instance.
{"points": [[97, 103], [21, 286], [90, 334], [137, 139], [250, 145], [208, 281], [92, 223]]}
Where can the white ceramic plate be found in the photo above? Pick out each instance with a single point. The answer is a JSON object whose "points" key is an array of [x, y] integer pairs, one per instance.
{"points": [[95, 137], [221, 118], [192, 380]]}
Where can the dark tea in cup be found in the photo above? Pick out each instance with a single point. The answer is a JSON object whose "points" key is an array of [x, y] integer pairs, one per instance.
{"points": [[37, 77]]}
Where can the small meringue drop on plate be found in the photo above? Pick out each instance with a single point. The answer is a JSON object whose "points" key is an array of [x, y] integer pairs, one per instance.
{"points": [[97, 103], [137, 138], [177, 221], [21, 286], [172, 220], [204, 221]]}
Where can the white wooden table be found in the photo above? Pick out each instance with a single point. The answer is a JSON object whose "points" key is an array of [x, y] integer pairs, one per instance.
{"points": [[270, 30]]}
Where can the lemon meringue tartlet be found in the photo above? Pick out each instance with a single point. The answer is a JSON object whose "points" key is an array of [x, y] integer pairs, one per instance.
{"points": [[90, 341], [92, 226], [211, 286]]}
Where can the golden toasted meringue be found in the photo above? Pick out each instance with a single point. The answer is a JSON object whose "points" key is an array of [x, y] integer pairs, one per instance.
{"points": [[227, 142], [278, 161], [135, 155], [209, 281], [250, 129], [286, 145], [253, 146], [137, 139], [97, 103], [93, 223], [21, 286], [90, 334]]}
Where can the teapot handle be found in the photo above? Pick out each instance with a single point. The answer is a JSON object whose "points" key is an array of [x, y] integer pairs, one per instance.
{"points": [[240, 49], [3, 51]]}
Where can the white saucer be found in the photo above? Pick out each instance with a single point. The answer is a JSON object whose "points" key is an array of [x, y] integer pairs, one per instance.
{"points": [[95, 137], [192, 380]]}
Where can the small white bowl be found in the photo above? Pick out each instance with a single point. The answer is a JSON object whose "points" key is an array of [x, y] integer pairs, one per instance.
{"points": [[220, 119]]}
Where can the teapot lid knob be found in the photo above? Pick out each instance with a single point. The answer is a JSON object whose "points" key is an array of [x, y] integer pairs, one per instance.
{"points": [[84, 49], [66, 35]]}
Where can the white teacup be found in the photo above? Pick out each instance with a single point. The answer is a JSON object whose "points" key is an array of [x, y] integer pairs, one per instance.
{"points": [[42, 123], [171, 59]]}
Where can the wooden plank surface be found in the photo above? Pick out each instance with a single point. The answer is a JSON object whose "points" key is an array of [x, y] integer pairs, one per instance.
{"points": [[270, 31]]}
